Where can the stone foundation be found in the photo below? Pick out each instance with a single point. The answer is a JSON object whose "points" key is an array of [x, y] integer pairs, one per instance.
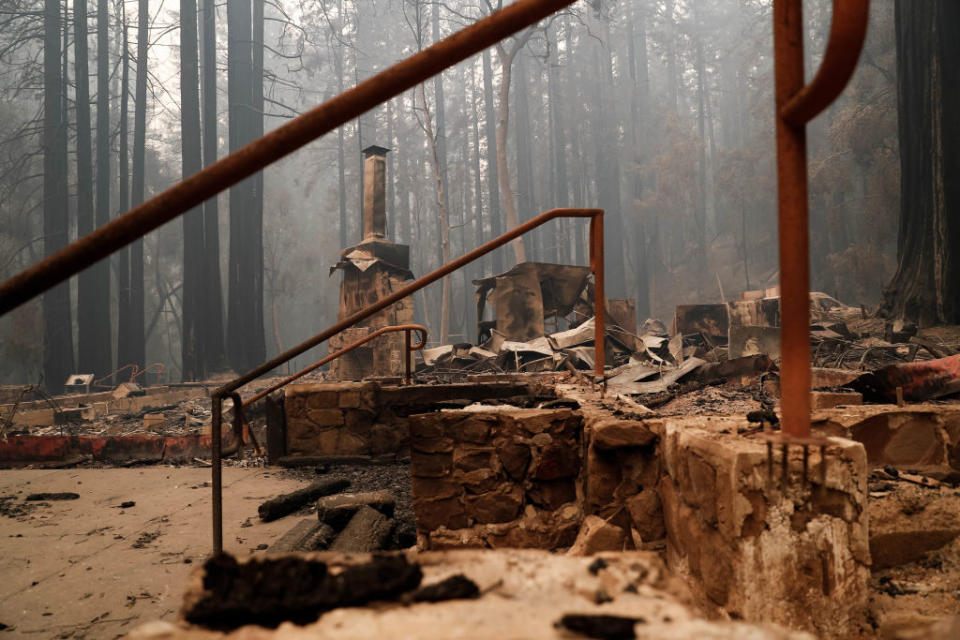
{"points": [[340, 419], [750, 547], [504, 478], [761, 550], [923, 438], [350, 419]]}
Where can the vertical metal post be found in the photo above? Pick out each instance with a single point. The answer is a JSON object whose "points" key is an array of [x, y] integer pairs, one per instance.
{"points": [[793, 222], [407, 356], [599, 297], [216, 407]]}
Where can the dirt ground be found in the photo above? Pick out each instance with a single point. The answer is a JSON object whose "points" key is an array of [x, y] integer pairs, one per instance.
{"points": [[87, 568]]}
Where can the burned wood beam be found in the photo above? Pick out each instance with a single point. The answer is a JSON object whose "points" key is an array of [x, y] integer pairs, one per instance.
{"points": [[290, 502]]}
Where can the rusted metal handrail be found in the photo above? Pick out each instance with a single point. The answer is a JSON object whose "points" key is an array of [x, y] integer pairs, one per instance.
{"points": [[796, 105], [596, 267], [133, 374], [408, 373], [280, 142], [139, 372]]}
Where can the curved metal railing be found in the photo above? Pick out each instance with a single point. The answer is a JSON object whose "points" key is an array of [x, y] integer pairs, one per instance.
{"points": [[796, 105], [408, 369]]}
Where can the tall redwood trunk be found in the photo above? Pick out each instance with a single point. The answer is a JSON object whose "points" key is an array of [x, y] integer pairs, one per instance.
{"points": [[493, 171], [57, 317], [101, 270], [926, 284], [246, 341], [138, 347], [191, 350], [212, 320], [123, 256], [87, 344]]}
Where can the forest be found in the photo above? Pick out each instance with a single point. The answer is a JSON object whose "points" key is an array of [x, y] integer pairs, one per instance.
{"points": [[660, 112]]}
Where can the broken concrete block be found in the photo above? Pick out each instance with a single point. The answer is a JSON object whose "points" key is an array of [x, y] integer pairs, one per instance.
{"points": [[126, 389], [821, 377], [368, 530], [596, 534], [290, 502], [909, 522], [831, 399], [615, 434], [153, 420], [337, 510]]}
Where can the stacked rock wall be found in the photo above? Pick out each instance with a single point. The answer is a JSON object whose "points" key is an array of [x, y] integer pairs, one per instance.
{"points": [[762, 549], [504, 478], [622, 471], [341, 419]]}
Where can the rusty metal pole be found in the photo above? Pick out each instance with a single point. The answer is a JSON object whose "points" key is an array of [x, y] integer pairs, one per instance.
{"points": [[793, 224], [216, 407], [407, 356], [599, 299], [797, 104]]}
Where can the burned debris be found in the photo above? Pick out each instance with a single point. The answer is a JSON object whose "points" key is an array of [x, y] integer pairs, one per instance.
{"points": [[270, 591]]}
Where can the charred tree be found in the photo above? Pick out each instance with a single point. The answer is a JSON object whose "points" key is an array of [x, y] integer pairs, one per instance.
{"points": [[101, 271], [523, 143], [137, 337], [924, 288], [212, 320], [493, 172], [191, 349], [57, 321], [246, 341], [87, 346], [124, 309]]}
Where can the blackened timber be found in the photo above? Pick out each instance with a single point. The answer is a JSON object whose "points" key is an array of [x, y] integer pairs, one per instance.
{"points": [[290, 502]]}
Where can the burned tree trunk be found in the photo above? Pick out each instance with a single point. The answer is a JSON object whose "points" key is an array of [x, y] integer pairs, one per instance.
{"points": [[123, 197], [493, 172], [924, 288], [193, 365], [57, 322], [212, 322], [87, 337], [246, 341], [101, 270], [137, 335]]}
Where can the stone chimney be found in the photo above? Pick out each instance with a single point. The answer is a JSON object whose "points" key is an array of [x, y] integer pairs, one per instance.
{"points": [[375, 193]]}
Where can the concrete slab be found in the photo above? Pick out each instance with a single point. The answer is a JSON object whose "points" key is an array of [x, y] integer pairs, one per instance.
{"points": [[524, 593], [86, 568]]}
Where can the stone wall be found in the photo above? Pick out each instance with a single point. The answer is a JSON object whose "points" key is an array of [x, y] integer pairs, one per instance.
{"points": [[622, 471], [341, 419], [370, 419], [763, 550], [504, 478]]}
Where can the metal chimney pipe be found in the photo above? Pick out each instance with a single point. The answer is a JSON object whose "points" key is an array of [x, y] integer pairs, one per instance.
{"points": [[374, 193]]}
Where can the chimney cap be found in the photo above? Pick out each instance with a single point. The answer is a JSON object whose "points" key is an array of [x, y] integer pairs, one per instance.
{"points": [[375, 150]]}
